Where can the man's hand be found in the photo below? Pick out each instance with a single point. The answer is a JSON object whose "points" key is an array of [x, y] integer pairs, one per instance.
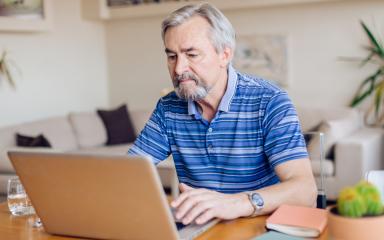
{"points": [[201, 205]]}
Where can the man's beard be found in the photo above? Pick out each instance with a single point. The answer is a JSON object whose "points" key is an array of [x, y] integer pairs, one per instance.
{"points": [[186, 92]]}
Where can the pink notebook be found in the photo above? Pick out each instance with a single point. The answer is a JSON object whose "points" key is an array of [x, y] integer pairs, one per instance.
{"points": [[298, 221]]}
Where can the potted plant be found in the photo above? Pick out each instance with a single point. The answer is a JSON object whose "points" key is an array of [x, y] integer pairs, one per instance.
{"points": [[358, 213], [373, 84]]}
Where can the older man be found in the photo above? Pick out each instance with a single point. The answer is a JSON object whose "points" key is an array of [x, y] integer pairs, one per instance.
{"points": [[235, 139]]}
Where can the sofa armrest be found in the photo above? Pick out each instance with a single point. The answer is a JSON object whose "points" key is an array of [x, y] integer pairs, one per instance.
{"points": [[6, 165], [4, 182], [358, 153]]}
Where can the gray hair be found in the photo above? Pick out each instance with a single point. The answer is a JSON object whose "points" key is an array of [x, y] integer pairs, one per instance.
{"points": [[222, 34]]}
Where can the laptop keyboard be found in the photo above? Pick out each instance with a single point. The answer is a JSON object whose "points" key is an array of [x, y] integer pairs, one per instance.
{"points": [[180, 225]]}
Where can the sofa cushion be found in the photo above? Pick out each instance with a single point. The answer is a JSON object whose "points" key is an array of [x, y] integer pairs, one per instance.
{"points": [[57, 130], [31, 141], [334, 131], [118, 124], [312, 117], [88, 128]]}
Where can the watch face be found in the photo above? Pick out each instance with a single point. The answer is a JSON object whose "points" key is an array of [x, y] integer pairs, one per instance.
{"points": [[257, 199]]}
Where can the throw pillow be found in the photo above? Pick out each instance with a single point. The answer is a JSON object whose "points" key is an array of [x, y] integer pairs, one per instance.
{"points": [[118, 125], [30, 141], [88, 128], [334, 131]]}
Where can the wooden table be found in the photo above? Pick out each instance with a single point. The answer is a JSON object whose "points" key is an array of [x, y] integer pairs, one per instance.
{"points": [[17, 228]]}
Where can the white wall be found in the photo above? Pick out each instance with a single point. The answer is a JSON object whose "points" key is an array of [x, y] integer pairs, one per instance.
{"points": [[64, 69], [318, 35]]}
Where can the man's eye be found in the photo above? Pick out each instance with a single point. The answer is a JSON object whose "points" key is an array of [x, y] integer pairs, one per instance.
{"points": [[191, 55], [171, 57]]}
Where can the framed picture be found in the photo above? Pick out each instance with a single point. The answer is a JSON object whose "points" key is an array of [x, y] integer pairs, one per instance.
{"points": [[263, 55], [25, 15]]}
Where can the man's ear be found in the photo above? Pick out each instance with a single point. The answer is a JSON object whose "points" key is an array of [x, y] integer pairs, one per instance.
{"points": [[226, 56]]}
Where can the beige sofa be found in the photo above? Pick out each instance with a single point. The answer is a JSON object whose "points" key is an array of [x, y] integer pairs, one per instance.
{"points": [[356, 149], [81, 132]]}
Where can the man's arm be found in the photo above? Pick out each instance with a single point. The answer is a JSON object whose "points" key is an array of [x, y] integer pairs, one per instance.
{"points": [[297, 187], [153, 140]]}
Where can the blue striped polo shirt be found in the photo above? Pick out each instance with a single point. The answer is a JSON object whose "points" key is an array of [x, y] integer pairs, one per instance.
{"points": [[255, 129]]}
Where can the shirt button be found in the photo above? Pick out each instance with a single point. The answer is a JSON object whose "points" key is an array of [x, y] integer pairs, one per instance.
{"points": [[210, 146], [210, 130]]}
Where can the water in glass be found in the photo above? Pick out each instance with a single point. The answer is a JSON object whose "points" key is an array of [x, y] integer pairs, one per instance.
{"points": [[18, 201]]}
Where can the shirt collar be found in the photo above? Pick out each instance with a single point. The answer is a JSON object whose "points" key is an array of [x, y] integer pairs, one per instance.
{"points": [[228, 95]]}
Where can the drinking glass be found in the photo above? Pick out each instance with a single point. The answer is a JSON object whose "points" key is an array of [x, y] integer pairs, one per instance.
{"points": [[316, 155], [18, 201]]}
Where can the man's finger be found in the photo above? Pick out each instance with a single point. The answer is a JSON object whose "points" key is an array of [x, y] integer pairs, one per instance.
{"points": [[197, 210], [188, 204], [206, 216], [184, 187], [184, 195]]}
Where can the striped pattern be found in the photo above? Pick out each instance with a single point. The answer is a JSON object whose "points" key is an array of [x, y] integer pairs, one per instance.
{"points": [[254, 130]]}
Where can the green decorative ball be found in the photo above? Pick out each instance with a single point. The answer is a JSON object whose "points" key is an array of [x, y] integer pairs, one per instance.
{"points": [[371, 197], [350, 203]]}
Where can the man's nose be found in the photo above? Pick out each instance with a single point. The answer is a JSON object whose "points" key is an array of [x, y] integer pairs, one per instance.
{"points": [[181, 65]]}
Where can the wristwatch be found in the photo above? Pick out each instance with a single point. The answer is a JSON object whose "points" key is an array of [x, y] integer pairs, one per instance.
{"points": [[256, 201]]}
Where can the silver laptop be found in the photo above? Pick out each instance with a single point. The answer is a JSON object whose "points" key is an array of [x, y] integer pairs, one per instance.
{"points": [[99, 196]]}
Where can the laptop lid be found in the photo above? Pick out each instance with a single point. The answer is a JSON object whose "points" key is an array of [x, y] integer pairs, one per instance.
{"points": [[103, 196]]}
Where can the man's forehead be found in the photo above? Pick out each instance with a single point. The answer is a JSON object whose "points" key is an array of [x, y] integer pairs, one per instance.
{"points": [[186, 42]]}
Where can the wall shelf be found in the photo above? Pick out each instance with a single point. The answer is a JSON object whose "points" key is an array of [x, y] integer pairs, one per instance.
{"points": [[102, 11]]}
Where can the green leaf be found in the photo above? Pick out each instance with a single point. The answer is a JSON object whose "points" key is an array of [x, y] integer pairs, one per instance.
{"points": [[375, 43], [378, 98], [363, 92], [361, 96], [371, 78]]}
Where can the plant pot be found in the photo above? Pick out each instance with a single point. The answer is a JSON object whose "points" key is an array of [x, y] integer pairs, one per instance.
{"points": [[347, 228]]}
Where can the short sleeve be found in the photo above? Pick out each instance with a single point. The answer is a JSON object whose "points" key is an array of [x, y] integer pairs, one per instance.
{"points": [[153, 140], [283, 138]]}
